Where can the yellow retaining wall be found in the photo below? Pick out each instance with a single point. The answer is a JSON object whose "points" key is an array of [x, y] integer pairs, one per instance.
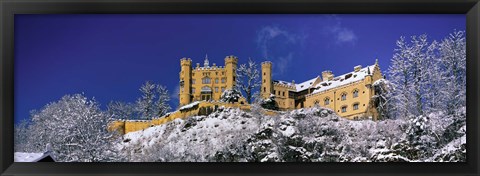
{"points": [[126, 126]]}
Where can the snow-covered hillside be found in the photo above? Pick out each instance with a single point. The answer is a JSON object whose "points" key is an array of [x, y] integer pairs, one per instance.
{"points": [[304, 135]]}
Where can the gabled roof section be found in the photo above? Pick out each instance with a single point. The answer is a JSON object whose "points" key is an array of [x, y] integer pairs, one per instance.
{"points": [[307, 84], [301, 86]]}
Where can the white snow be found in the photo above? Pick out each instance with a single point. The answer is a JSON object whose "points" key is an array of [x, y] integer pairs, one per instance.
{"points": [[188, 106], [340, 80], [289, 131], [305, 85], [28, 157]]}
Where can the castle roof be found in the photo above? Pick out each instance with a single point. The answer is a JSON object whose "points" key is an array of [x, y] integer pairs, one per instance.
{"points": [[344, 79], [305, 85], [341, 80]]}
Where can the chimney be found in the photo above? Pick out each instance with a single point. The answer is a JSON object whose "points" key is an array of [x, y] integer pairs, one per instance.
{"points": [[357, 68], [327, 75]]}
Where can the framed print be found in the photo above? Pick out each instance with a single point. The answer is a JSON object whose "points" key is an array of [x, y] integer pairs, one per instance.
{"points": [[219, 87]]}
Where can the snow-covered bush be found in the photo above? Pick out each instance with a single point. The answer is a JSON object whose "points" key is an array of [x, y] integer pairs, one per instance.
{"points": [[269, 103], [230, 96]]}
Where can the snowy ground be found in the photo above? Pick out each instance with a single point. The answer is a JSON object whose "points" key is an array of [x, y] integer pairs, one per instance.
{"points": [[304, 135]]}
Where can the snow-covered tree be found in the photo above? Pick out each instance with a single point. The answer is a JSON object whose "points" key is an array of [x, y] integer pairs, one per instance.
{"points": [[76, 129], [382, 98], [145, 104], [161, 105], [154, 101], [21, 134], [230, 95], [453, 66], [399, 76], [248, 78], [270, 103], [121, 110], [411, 74]]}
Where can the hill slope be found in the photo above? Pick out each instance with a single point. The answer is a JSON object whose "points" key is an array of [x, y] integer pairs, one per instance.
{"points": [[304, 135]]}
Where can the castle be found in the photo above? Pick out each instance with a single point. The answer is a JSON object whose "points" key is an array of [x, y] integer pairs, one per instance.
{"points": [[207, 82], [349, 95]]}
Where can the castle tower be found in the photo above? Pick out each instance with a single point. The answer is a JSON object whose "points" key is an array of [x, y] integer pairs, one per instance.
{"points": [[267, 87], [230, 68], [185, 81]]}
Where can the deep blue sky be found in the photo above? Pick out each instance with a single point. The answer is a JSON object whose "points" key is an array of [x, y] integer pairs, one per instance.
{"points": [[109, 56]]}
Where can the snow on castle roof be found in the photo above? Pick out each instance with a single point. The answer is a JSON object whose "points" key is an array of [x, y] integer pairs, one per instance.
{"points": [[343, 79], [305, 85]]}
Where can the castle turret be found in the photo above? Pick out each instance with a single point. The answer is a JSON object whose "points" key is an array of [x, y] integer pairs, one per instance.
{"points": [[185, 81], [230, 69], [266, 79]]}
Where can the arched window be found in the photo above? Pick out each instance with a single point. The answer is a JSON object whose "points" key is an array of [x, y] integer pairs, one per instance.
{"points": [[344, 108], [326, 101], [355, 93], [344, 96], [316, 102]]}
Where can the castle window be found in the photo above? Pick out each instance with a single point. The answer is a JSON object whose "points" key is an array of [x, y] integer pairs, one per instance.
{"points": [[193, 90], [206, 80], [216, 89], [193, 81], [263, 73], [316, 102], [223, 73], [264, 89], [264, 81], [274, 92], [234, 79], [283, 93], [216, 73], [355, 93], [344, 96], [223, 80], [344, 108], [327, 101], [216, 80], [355, 106], [223, 89]]}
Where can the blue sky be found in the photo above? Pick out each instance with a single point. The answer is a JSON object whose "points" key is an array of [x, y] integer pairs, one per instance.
{"points": [[109, 56]]}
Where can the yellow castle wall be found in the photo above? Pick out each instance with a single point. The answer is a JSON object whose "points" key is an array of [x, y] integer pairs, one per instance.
{"points": [[365, 92], [282, 97], [127, 126]]}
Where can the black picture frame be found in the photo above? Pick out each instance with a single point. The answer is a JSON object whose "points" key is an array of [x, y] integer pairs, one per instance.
{"points": [[8, 8]]}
